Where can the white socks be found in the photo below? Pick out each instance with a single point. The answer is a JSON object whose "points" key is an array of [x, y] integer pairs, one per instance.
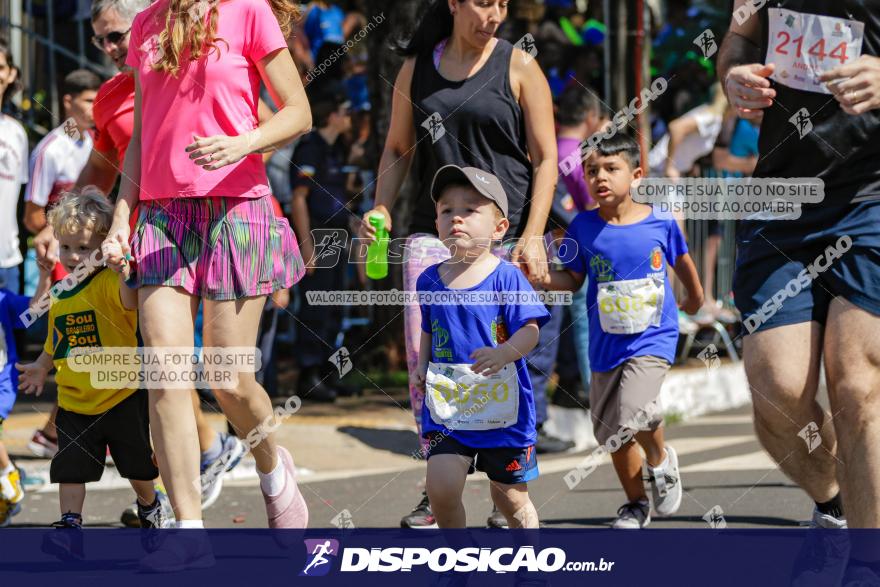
{"points": [[665, 462], [190, 524], [9, 468], [272, 483]]}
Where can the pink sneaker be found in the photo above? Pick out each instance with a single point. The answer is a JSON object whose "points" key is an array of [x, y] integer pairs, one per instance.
{"points": [[288, 508]]}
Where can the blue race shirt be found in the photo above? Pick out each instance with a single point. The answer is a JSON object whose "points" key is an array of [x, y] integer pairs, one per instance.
{"points": [[11, 308], [324, 25], [626, 267], [744, 142], [458, 330]]}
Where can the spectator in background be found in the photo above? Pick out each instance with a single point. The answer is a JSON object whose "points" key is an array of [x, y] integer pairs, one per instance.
{"points": [[13, 174], [579, 115], [742, 155], [735, 155], [690, 137], [323, 23], [60, 156], [319, 201]]}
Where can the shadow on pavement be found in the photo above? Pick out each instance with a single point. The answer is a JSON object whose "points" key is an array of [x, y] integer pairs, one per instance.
{"points": [[401, 442]]}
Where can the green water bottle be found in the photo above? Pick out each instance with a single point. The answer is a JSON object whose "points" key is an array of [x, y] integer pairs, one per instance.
{"points": [[377, 251]]}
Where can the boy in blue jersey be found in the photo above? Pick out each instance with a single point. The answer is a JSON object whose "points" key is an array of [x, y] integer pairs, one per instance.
{"points": [[633, 323], [479, 410], [12, 309]]}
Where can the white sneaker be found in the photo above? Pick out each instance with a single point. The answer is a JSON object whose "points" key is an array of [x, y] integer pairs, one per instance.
{"points": [[666, 485], [821, 520], [633, 516], [823, 556]]}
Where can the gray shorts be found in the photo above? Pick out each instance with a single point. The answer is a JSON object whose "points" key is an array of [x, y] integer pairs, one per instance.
{"points": [[627, 397]]}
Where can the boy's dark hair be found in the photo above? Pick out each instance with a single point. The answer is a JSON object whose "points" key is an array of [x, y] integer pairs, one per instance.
{"points": [[622, 145], [14, 88], [78, 81], [324, 104], [574, 104]]}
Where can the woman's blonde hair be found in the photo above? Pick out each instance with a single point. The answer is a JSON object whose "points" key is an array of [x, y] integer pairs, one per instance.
{"points": [[89, 209], [717, 100], [188, 31]]}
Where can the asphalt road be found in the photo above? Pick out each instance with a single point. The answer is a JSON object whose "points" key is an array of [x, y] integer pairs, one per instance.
{"points": [[723, 470]]}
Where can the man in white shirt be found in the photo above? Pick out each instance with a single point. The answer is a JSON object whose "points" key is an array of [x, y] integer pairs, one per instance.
{"points": [[58, 159], [13, 174]]}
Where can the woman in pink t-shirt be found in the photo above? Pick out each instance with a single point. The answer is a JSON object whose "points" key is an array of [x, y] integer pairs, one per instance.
{"points": [[205, 226]]}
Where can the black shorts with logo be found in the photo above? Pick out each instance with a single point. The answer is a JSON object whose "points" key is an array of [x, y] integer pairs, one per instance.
{"points": [[508, 465]]}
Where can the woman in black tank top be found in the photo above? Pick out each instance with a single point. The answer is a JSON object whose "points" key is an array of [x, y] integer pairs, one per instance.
{"points": [[494, 110], [484, 104]]}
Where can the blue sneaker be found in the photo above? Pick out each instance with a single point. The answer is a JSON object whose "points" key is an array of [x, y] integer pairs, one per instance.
{"points": [[213, 471]]}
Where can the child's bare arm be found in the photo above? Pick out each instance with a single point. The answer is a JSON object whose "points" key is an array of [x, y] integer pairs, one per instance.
{"points": [[32, 376], [490, 360], [686, 272], [128, 296], [565, 280], [43, 285]]}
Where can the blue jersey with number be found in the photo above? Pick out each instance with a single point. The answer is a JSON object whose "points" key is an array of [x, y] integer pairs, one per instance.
{"points": [[458, 330], [631, 307]]}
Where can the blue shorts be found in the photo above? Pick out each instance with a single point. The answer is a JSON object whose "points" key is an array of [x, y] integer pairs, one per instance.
{"points": [[508, 465], [787, 272], [8, 395]]}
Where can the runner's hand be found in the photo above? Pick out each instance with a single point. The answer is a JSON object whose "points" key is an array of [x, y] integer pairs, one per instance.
{"points": [[366, 230], [115, 248], [748, 89], [855, 85], [219, 151], [531, 256], [691, 305], [488, 360], [281, 298], [45, 246], [31, 377], [417, 379]]}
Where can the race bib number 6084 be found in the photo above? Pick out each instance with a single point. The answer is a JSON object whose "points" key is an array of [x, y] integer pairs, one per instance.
{"points": [[804, 45]]}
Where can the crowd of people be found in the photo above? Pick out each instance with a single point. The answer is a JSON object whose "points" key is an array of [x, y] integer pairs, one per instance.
{"points": [[230, 153]]}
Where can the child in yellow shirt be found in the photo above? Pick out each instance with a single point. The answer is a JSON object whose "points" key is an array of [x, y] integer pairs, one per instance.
{"points": [[92, 310]]}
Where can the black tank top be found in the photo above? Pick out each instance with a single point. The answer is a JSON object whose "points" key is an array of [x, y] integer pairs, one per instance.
{"points": [[842, 150], [475, 122]]}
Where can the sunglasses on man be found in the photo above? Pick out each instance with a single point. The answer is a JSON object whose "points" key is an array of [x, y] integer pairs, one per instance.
{"points": [[114, 37]]}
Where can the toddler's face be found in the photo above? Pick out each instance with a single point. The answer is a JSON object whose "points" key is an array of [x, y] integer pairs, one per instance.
{"points": [[75, 248], [466, 220]]}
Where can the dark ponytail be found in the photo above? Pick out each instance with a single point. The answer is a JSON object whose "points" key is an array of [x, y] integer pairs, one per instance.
{"points": [[434, 26], [14, 87]]}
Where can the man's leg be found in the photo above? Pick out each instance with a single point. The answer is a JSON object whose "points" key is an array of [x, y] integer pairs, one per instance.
{"points": [[852, 369], [782, 365]]}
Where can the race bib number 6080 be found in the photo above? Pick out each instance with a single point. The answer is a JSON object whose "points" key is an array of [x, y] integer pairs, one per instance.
{"points": [[804, 45], [460, 399]]}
